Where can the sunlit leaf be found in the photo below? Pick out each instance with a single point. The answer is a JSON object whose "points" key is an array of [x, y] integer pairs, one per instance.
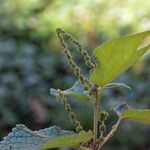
{"points": [[116, 56], [69, 141], [137, 115], [76, 91], [22, 138]]}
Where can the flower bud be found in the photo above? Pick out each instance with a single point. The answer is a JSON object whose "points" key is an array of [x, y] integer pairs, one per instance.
{"points": [[79, 128], [68, 107], [77, 123], [81, 77], [103, 116], [65, 51], [72, 115], [85, 53], [87, 57], [102, 128]]}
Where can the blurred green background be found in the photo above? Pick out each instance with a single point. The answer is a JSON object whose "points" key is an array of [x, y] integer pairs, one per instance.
{"points": [[31, 62]]}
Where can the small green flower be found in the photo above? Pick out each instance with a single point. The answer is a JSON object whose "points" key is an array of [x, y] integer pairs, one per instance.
{"points": [[71, 114]]}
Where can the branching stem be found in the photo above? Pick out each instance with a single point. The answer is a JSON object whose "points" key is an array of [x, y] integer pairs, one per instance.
{"points": [[111, 133]]}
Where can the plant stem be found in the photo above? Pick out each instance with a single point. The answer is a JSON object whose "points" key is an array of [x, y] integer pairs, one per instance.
{"points": [[96, 113], [111, 133]]}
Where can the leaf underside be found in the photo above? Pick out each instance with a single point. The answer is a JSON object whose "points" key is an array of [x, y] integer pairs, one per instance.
{"points": [[76, 91], [137, 115], [116, 56], [116, 85], [22, 138], [69, 141]]}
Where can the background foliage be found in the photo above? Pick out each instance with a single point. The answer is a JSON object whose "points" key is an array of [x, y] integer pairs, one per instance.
{"points": [[31, 62]]}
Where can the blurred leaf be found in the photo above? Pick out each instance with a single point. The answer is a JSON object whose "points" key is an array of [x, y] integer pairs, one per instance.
{"points": [[137, 115], [122, 108], [116, 85], [116, 56], [76, 91], [69, 141], [23, 138]]}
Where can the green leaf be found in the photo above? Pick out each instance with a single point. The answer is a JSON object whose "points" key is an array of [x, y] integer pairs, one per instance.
{"points": [[23, 138], [76, 91], [116, 56], [69, 141], [137, 115]]}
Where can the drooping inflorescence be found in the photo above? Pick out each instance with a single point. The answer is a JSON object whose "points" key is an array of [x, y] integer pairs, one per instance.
{"points": [[88, 86], [88, 60], [102, 128], [72, 115]]}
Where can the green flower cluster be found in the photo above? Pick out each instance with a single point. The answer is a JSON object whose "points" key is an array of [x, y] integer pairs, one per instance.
{"points": [[88, 86], [72, 115], [102, 128], [84, 53]]}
